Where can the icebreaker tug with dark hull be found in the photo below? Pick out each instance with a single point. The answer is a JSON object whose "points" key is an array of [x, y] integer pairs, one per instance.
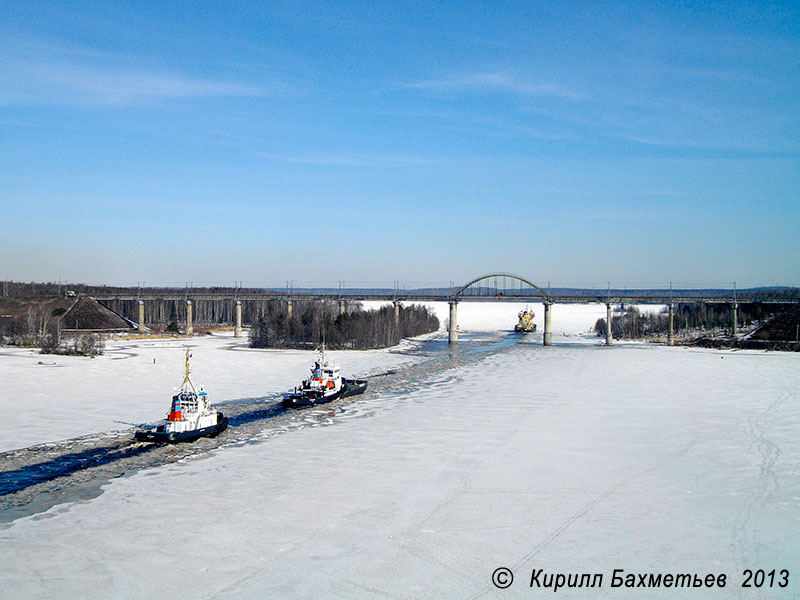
{"points": [[190, 416], [325, 385]]}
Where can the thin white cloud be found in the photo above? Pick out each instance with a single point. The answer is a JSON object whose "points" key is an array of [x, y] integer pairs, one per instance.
{"points": [[53, 75], [352, 160], [493, 82]]}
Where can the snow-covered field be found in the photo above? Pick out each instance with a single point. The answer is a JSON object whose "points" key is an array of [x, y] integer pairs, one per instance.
{"points": [[572, 459]]}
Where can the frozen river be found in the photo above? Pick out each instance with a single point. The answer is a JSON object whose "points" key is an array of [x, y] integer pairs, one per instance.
{"points": [[571, 459]]}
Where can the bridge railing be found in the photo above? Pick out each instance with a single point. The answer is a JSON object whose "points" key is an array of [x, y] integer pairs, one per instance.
{"points": [[485, 294]]}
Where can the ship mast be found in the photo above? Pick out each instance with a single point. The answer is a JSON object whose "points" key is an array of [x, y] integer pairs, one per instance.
{"points": [[186, 378]]}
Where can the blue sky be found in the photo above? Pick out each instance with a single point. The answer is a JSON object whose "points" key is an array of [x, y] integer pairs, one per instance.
{"points": [[576, 143]]}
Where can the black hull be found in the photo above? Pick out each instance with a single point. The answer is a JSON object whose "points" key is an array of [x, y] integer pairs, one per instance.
{"points": [[300, 399], [160, 436], [354, 387], [350, 387]]}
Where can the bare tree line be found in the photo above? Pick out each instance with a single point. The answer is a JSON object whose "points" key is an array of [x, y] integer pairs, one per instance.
{"points": [[43, 328], [312, 322], [695, 318], [28, 329]]}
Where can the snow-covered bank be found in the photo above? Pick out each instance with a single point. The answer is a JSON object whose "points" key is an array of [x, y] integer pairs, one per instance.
{"points": [[575, 458]]}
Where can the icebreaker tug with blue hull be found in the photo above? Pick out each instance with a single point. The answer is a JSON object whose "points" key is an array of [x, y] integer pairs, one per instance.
{"points": [[190, 416]]}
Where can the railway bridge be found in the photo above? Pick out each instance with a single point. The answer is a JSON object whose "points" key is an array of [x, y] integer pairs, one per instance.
{"points": [[500, 287]]}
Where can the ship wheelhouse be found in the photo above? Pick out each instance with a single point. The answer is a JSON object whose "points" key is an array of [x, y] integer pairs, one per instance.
{"points": [[190, 416]]}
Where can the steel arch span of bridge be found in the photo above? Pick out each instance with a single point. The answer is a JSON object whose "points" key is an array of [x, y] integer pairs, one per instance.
{"points": [[526, 289], [531, 291]]}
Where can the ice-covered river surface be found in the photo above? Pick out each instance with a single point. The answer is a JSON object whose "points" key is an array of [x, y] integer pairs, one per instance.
{"points": [[571, 459]]}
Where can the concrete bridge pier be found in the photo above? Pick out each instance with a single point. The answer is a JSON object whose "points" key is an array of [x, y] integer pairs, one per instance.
{"points": [[140, 325], [671, 334], [189, 327], [453, 326], [735, 323], [396, 312], [609, 339], [237, 328], [289, 308], [548, 329], [342, 307]]}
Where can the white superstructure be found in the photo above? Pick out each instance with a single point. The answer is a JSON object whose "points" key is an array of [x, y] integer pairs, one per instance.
{"points": [[326, 377], [190, 409]]}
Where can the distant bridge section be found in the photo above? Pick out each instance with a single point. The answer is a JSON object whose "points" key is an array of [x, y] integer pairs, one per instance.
{"points": [[226, 303]]}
